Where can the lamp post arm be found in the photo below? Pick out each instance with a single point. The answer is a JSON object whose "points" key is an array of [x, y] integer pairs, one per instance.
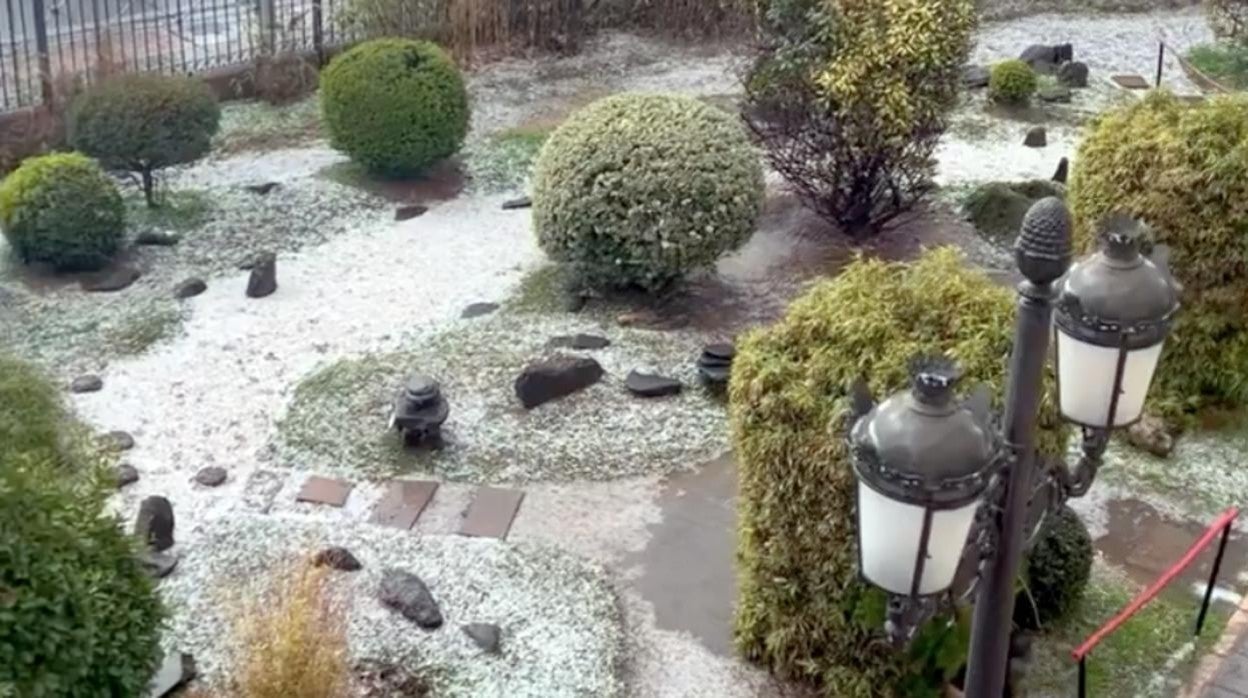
{"points": [[1075, 482]]}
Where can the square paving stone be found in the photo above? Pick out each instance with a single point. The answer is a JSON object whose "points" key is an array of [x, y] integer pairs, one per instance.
{"points": [[491, 512], [1131, 82], [323, 490], [403, 503]]}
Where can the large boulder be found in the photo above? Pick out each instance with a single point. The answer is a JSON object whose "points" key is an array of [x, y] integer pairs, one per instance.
{"points": [[551, 379], [406, 593]]}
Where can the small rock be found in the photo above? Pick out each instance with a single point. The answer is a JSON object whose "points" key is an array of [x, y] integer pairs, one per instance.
{"points": [[1037, 137], [649, 385], [154, 525], [155, 239], [261, 189], [263, 280], [975, 77], [477, 310], [1046, 59], [406, 593], [374, 679], [158, 565], [211, 476], [522, 202], [551, 379], [486, 636], [1150, 434], [582, 342], [86, 384], [1073, 74], [1063, 171], [126, 474], [116, 280], [1055, 93], [119, 440], [721, 350], [190, 288], [337, 558], [406, 213]]}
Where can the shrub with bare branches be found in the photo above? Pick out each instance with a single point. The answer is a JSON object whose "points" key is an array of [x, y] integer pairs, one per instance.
{"points": [[1229, 18]]}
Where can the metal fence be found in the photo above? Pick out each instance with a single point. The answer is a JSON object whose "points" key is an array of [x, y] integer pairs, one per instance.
{"points": [[50, 47]]}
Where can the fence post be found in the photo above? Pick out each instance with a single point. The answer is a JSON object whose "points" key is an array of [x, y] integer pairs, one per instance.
{"points": [[41, 46], [1213, 579], [1161, 61], [318, 33], [268, 27]]}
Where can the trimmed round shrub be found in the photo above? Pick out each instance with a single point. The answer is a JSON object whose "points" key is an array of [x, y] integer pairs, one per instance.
{"points": [[802, 610], [1012, 82], [63, 210], [1183, 169], [1057, 571], [637, 190], [144, 122], [997, 209], [395, 106]]}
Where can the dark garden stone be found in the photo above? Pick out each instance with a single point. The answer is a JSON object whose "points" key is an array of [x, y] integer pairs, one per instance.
{"points": [[722, 351], [715, 364], [263, 281], [119, 440], [262, 189], [115, 280], [975, 77], [155, 239], [86, 384], [126, 474], [190, 288], [1073, 74], [211, 476], [420, 410], [551, 379], [582, 342], [337, 558], [1131, 82], [158, 565], [514, 204], [1055, 93], [477, 310], [406, 593], [1037, 137], [650, 385], [154, 525], [406, 213], [1063, 171], [1150, 434], [1046, 59], [487, 636], [573, 301]]}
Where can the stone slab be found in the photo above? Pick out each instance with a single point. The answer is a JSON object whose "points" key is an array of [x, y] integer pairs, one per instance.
{"points": [[1131, 82], [403, 503], [491, 512], [261, 489], [323, 490]]}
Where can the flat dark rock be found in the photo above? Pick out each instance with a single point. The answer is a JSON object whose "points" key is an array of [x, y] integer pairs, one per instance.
{"points": [[154, 524], [650, 385], [119, 440], [406, 213], [550, 379], [975, 76], [522, 202], [154, 239], [487, 636], [263, 279], [126, 474], [190, 288], [407, 594], [721, 350], [583, 342], [158, 565], [1055, 93], [211, 476], [116, 280], [262, 189], [1037, 137], [477, 310], [1131, 82], [337, 558], [86, 384]]}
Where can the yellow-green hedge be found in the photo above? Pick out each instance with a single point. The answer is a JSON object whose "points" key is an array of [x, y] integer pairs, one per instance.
{"points": [[1184, 170], [802, 611]]}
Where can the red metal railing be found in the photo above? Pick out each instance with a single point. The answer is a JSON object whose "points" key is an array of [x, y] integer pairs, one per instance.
{"points": [[1221, 526]]}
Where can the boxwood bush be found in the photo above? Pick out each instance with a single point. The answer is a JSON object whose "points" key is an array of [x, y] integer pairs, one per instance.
{"points": [[144, 122], [395, 106], [637, 190], [1184, 170], [1056, 572], [1012, 82], [802, 610], [63, 210]]}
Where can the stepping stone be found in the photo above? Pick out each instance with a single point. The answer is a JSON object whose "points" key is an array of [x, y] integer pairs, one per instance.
{"points": [[406, 213], [1131, 82], [323, 490], [475, 310], [403, 503], [126, 475], [650, 385], [86, 384], [261, 189], [261, 489], [119, 441], [212, 476], [583, 342], [491, 513], [190, 288], [158, 565], [515, 204], [154, 239], [116, 280]]}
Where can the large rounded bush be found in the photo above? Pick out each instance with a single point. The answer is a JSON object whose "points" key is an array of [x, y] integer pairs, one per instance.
{"points": [[1057, 571], [640, 189], [802, 610], [144, 122], [395, 106], [1184, 170], [1012, 82], [63, 210]]}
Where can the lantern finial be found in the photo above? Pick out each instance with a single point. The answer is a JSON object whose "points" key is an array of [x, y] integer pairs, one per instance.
{"points": [[1043, 247], [933, 378], [1123, 238]]}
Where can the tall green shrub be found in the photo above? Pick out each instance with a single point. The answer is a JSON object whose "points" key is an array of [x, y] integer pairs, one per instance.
{"points": [[802, 610], [144, 122], [1184, 170], [63, 210], [850, 97], [395, 106]]}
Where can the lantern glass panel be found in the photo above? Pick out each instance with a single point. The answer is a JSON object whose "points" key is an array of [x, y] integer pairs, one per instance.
{"points": [[1086, 376], [890, 533]]}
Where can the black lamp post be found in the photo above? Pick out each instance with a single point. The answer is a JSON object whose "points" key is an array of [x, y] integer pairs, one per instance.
{"points": [[948, 499]]}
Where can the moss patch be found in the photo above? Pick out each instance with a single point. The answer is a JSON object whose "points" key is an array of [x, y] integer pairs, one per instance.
{"points": [[178, 211], [542, 290], [135, 334], [1225, 62], [504, 161], [996, 209], [259, 127]]}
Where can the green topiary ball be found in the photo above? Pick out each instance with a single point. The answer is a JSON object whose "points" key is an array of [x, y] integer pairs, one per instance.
{"points": [[62, 210], [802, 610], [79, 618], [1012, 82], [395, 106], [637, 190], [1183, 169], [1057, 571]]}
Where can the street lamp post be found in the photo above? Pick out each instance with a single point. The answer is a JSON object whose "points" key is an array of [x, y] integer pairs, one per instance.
{"points": [[949, 498]]}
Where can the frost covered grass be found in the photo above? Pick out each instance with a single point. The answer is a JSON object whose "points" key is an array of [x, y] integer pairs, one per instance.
{"points": [[561, 626], [258, 126], [178, 211], [1148, 657], [504, 161], [337, 419]]}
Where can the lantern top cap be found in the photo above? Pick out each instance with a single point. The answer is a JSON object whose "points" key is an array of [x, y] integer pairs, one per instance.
{"points": [[932, 381], [1121, 240]]}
